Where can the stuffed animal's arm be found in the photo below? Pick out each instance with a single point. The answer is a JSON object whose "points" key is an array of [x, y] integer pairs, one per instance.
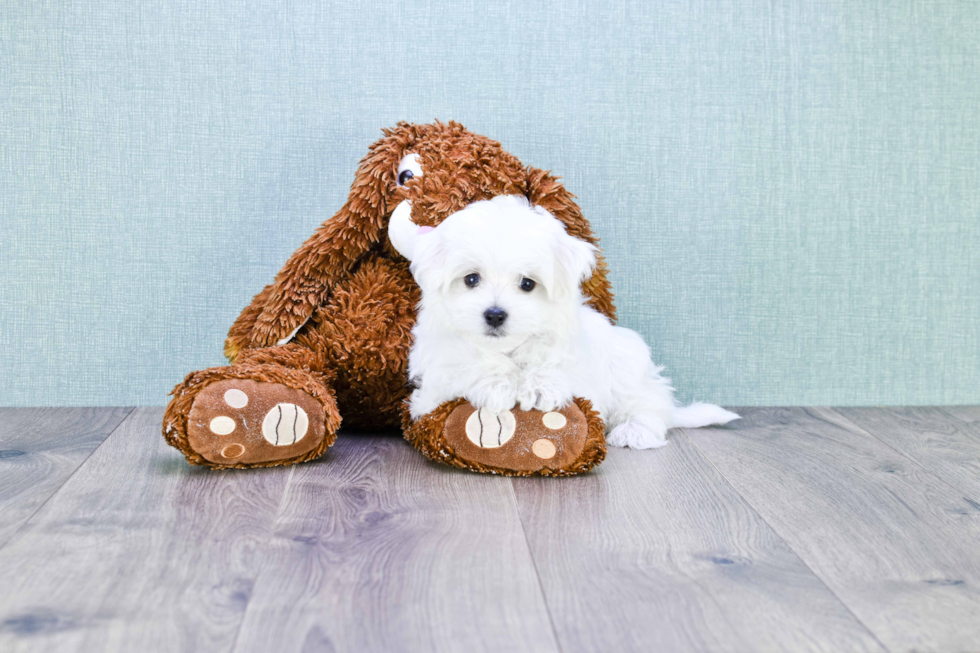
{"points": [[306, 281], [240, 335]]}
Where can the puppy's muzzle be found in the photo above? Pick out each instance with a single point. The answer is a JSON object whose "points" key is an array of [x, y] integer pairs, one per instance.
{"points": [[495, 317]]}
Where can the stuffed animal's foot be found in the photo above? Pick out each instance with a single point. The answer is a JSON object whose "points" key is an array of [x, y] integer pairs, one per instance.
{"points": [[248, 422], [511, 442], [240, 421]]}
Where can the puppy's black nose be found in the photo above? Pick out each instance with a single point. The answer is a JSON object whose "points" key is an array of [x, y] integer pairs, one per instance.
{"points": [[495, 316]]}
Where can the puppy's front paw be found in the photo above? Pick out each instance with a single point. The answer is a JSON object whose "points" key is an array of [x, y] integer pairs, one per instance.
{"points": [[494, 394], [423, 402], [543, 394], [639, 432], [544, 399]]}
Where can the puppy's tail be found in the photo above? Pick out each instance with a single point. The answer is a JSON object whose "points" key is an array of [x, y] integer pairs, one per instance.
{"points": [[699, 414]]}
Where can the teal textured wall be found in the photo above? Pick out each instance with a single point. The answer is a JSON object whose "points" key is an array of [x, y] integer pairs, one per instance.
{"points": [[788, 193]]}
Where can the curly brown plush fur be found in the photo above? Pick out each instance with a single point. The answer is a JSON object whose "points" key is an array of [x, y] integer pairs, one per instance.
{"points": [[347, 297], [312, 383], [428, 435]]}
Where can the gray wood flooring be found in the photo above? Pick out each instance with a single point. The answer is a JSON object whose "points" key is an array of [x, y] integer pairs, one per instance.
{"points": [[790, 530]]}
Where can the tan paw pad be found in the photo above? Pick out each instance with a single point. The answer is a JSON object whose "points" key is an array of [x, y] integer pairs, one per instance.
{"points": [[285, 424], [544, 449], [553, 420], [222, 425], [233, 451], [489, 430], [236, 398]]}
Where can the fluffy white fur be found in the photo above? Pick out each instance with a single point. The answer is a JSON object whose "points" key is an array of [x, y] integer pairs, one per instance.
{"points": [[551, 346]]}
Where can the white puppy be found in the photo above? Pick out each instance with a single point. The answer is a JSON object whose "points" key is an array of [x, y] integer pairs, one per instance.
{"points": [[503, 322]]}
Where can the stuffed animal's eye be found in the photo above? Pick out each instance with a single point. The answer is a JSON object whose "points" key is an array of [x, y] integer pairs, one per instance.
{"points": [[471, 280], [527, 285], [409, 168]]}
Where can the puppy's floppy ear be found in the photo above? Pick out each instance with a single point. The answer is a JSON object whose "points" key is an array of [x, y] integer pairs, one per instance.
{"points": [[429, 261], [575, 261]]}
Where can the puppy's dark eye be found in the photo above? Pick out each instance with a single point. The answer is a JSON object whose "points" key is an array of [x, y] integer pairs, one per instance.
{"points": [[471, 280], [404, 176], [527, 285]]}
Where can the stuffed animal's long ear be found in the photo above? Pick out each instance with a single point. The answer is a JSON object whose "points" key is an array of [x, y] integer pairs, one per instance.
{"points": [[544, 190], [305, 281]]}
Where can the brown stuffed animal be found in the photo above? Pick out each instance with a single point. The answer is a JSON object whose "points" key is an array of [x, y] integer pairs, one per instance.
{"points": [[330, 337]]}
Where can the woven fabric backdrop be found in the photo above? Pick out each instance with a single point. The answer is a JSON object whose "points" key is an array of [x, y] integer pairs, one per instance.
{"points": [[788, 193]]}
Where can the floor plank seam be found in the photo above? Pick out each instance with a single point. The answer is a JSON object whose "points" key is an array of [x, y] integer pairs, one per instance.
{"points": [[945, 410], [925, 470], [265, 548], [129, 413], [534, 565], [796, 553]]}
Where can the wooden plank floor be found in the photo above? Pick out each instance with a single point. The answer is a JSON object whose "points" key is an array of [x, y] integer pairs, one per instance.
{"points": [[39, 449], [790, 530]]}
